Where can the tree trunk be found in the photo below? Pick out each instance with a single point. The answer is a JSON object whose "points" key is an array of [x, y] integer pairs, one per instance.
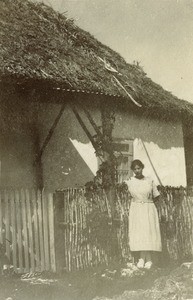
{"points": [[109, 177]]}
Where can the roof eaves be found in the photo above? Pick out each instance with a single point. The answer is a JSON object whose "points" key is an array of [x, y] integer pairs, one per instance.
{"points": [[86, 92]]}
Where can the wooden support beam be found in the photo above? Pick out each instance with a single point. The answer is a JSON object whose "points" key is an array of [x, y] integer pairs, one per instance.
{"points": [[92, 122], [50, 133], [89, 135], [38, 165]]}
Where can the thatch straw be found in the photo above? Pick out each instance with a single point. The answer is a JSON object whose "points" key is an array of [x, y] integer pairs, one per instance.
{"points": [[39, 45]]}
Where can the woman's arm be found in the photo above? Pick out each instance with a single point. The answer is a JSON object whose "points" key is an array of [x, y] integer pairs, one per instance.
{"points": [[155, 192]]}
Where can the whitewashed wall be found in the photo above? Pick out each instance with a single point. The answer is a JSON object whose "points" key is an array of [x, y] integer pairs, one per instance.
{"points": [[169, 164], [163, 141], [70, 159]]}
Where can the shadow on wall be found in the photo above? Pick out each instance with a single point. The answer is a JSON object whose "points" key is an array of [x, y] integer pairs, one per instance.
{"points": [[64, 163], [63, 166], [164, 133], [16, 142]]}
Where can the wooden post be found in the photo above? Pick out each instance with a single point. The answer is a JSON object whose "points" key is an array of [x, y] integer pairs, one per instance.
{"points": [[45, 230], [38, 165], [7, 224], [1, 219], [40, 227], [36, 232], [19, 230], [13, 225], [109, 179], [51, 232], [35, 134], [30, 231], [59, 231], [25, 232]]}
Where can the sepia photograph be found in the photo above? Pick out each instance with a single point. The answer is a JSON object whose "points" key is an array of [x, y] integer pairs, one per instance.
{"points": [[96, 149]]}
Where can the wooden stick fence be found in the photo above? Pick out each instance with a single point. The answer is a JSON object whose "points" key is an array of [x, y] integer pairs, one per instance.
{"points": [[27, 230], [79, 251], [175, 210], [65, 231], [85, 227]]}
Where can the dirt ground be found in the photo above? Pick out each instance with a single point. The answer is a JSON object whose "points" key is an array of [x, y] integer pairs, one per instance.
{"points": [[117, 283]]}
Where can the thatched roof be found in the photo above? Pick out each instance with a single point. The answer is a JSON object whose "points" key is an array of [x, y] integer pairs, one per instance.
{"points": [[39, 44]]}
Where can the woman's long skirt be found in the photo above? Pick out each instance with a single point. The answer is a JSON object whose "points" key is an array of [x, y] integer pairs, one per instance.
{"points": [[144, 229]]}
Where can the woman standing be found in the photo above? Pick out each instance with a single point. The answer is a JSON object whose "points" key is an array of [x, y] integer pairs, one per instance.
{"points": [[144, 230]]}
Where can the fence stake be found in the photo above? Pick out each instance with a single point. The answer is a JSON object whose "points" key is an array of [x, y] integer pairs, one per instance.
{"points": [[36, 232], [13, 224], [51, 232], [25, 233], [41, 237], [1, 219], [45, 227], [59, 229], [7, 225], [19, 231], [30, 231]]}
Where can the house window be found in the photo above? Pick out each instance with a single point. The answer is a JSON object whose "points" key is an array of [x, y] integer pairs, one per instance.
{"points": [[123, 150]]}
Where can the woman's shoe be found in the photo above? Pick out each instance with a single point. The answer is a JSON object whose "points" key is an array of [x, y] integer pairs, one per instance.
{"points": [[140, 263], [148, 265]]}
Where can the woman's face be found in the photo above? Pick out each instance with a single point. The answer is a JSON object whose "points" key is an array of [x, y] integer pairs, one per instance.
{"points": [[138, 171]]}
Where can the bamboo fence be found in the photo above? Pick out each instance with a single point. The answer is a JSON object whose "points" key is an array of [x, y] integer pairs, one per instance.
{"points": [[87, 226], [40, 231]]}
